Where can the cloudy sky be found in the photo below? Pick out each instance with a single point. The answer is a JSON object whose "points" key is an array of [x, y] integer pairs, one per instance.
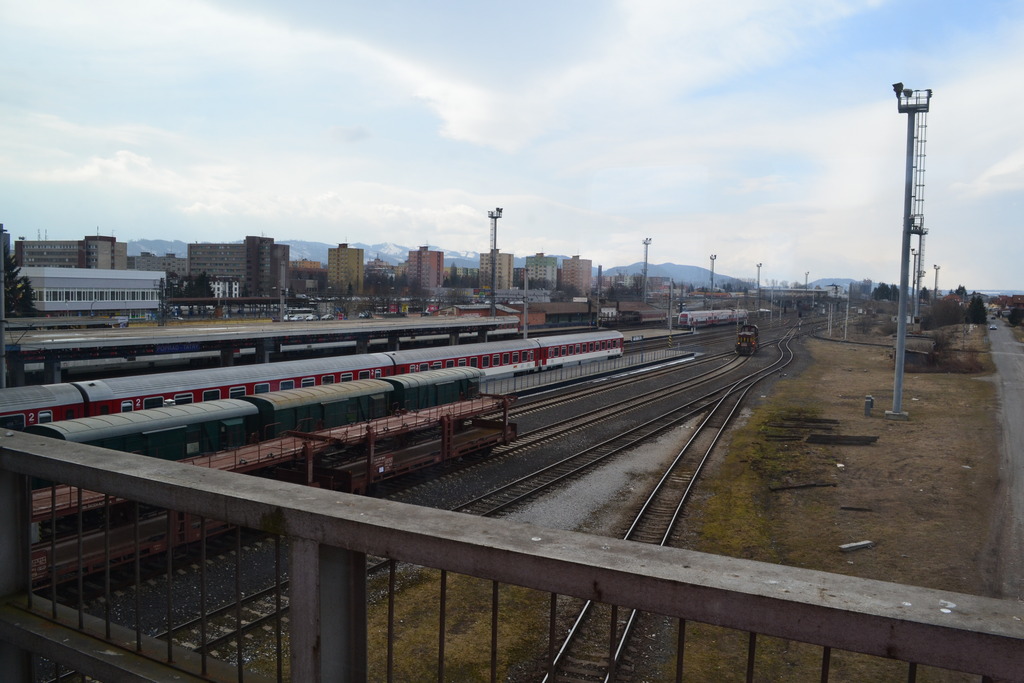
{"points": [[762, 132]]}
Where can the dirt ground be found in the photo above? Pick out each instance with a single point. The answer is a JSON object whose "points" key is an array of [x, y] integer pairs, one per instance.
{"points": [[923, 493]]}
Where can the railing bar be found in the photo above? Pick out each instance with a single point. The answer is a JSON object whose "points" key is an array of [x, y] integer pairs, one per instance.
{"points": [[680, 649], [278, 625], [494, 631], [441, 625], [79, 527], [911, 672], [137, 561], [751, 651], [238, 603], [106, 565], [613, 630], [26, 538], [826, 663], [53, 551], [553, 613], [391, 621], [202, 594], [170, 571]]}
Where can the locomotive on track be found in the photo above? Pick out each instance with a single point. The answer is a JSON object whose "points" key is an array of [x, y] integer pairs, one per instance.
{"points": [[24, 406], [746, 340]]}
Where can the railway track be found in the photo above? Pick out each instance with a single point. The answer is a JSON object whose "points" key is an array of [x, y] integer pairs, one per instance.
{"points": [[223, 629], [596, 647]]}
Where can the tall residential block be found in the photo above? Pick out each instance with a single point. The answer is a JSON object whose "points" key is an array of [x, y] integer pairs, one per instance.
{"points": [[576, 272], [506, 267], [425, 268], [543, 270], [345, 269]]}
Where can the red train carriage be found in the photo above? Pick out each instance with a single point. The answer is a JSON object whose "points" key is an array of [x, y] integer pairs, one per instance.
{"points": [[574, 349], [122, 394], [494, 358], [21, 407]]}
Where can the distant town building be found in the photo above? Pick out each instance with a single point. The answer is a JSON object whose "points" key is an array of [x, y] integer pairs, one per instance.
{"points": [[576, 272], [345, 269], [93, 251], [542, 270], [379, 268], [307, 277], [226, 289], [259, 264], [169, 263], [425, 268], [506, 269]]}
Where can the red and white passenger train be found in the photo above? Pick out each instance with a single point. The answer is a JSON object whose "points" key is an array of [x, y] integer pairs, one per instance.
{"points": [[726, 316], [23, 406]]}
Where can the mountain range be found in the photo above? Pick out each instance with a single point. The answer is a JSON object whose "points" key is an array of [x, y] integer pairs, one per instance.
{"points": [[396, 253]]}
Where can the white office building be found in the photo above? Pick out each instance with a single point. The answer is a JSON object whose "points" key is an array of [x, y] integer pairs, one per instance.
{"points": [[91, 291]]}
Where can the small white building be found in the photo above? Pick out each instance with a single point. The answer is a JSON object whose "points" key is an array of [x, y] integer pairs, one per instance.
{"points": [[91, 291]]}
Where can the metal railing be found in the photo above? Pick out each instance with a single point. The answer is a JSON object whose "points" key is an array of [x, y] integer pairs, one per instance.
{"points": [[324, 538]]}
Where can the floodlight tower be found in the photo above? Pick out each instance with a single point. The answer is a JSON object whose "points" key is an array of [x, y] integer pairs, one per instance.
{"points": [[915, 104], [494, 216], [647, 243]]}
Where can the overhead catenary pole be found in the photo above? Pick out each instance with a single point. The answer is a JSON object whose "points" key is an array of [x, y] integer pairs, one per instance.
{"points": [[647, 243], [758, 289], [526, 303], [3, 312], [713, 257], [494, 216], [909, 102]]}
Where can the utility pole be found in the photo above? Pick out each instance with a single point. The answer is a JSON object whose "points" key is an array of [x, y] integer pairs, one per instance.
{"points": [[494, 216], [526, 303], [3, 312], [759, 289], [912, 103], [713, 257], [647, 243]]}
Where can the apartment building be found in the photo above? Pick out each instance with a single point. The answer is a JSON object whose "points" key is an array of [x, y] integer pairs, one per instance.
{"points": [[506, 269], [425, 268], [257, 263], [345, 269], [93, 251]]}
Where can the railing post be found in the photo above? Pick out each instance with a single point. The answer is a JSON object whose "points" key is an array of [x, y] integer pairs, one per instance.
{"points": [[14, 662], [328, 613]]}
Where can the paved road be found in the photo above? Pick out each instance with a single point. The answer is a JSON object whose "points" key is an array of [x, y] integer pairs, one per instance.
{"points": [[1008, 355]]}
